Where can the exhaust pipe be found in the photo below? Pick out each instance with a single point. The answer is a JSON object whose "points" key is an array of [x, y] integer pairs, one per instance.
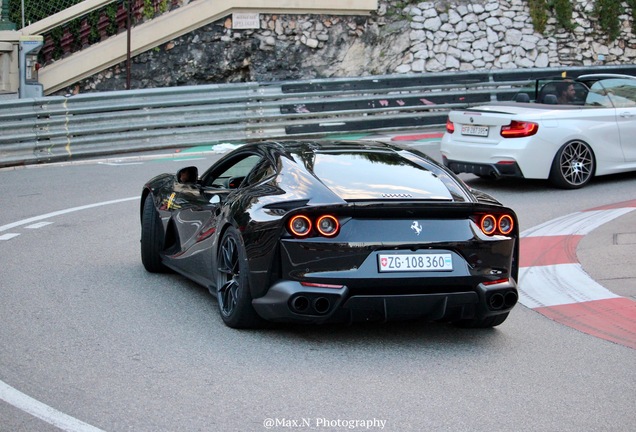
{"points": [[496, 301], [510, 299], [300, 304], [322, 305]]}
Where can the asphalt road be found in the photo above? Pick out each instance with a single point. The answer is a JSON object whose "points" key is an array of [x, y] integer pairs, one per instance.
{"points": [[90, 341]]}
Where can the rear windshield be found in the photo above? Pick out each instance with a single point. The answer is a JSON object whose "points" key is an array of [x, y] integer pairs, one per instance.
{"points": [[376, 175]]}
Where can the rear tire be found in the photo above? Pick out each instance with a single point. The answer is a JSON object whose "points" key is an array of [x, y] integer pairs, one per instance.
{"points": [[233, 291], [573, 166], [491, 321], [151, 238]]}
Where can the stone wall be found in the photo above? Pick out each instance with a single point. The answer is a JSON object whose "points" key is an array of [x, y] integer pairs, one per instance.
{"points": [[499, 34], [431, 36]]}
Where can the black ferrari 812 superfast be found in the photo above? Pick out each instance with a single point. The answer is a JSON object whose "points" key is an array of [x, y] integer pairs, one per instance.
{"points": [[326, 231]]}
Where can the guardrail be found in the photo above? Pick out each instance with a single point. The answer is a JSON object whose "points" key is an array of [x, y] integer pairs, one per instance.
{"points": [[62, 128]]}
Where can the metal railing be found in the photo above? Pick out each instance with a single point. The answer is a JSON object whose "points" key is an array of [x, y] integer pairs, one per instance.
{"points": [[63, 128]]}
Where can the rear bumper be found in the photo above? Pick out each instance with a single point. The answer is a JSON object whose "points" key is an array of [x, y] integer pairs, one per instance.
{"points": [[289, 301], [484, 170]]}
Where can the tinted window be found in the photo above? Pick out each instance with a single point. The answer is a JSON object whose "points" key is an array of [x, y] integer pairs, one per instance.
{"points": [[263, 171], [237, 168], [376, 175]]}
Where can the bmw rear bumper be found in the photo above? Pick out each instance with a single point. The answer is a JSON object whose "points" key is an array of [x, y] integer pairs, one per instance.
{"points": [[289, 301], [496, 170]]}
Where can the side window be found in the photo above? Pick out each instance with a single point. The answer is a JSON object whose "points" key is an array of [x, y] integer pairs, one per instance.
{"points": [[231, 174], [261, 172], [622, 92], [563, 92], [615, 92]]}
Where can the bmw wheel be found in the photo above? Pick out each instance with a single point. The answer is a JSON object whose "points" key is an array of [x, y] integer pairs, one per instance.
{"points": [[573, 166], [233, 293], [151, 238]]}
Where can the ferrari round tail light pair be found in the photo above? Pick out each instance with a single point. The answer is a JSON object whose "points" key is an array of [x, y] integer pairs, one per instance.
{"points": [[302, 226], [491, 224]]}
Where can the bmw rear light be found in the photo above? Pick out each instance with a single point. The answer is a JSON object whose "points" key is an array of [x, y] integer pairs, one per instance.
{"points": [[301, 226], [492, 224], [519, 129], [450, 127]]}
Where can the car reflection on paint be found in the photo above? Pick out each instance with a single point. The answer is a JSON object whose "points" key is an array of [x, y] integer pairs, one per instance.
{"points": [[322, 231]]}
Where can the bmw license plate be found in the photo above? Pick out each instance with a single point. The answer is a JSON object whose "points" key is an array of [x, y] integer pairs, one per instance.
{"points": [[415, 262], [475, 130]]}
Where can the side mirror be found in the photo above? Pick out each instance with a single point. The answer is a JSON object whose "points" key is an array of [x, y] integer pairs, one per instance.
{"points": [[188, 175]]}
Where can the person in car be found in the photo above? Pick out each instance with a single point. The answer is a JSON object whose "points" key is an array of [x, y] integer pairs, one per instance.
{"points": [[565, 92]]}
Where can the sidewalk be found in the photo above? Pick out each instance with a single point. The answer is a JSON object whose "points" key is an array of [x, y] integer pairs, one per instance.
{"points": [[608, 255]]}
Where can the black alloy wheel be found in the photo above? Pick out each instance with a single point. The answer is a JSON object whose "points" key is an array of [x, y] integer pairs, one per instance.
{"points": [[233, 294], [151, 238], [574, 165]]}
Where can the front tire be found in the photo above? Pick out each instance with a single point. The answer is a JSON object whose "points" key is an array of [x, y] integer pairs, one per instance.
{"points": [[151, 238], [573, 166], [233, 293]]}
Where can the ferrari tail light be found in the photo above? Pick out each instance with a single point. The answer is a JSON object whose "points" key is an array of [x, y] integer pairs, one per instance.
{"points": [[519, 129], [302, 225], [505, 224], [488, 224], [496, 224], [327, 225], [450, 127]]}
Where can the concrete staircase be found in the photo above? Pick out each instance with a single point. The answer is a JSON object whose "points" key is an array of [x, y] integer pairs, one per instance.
{"points": [[175, 23]]}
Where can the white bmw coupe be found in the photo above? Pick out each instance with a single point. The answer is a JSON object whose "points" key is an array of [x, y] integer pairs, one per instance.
{"points": [[564, 130]]}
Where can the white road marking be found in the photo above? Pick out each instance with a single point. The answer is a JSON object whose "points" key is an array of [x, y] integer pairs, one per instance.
{"points": [[43, 412], [38, 225], [8, 236], [62, 212], [119, 163], [18, 399]]}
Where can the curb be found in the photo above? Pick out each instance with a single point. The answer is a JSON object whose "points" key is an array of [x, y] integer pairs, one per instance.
{"points": [[553, 282]]}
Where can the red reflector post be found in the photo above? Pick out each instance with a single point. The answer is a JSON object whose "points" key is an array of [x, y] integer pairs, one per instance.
{"points": [[321, 285], [495, 282]]}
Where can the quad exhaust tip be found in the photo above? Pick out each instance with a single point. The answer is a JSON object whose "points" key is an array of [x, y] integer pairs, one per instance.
{"points": [[304, 305], [502, 300]]}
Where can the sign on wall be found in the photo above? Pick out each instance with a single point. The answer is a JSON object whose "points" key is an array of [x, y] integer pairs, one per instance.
{"points": [[241, 20]]}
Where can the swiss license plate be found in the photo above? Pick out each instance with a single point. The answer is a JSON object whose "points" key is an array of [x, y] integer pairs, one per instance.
{"points": [[415, 262], [475, 130]]}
